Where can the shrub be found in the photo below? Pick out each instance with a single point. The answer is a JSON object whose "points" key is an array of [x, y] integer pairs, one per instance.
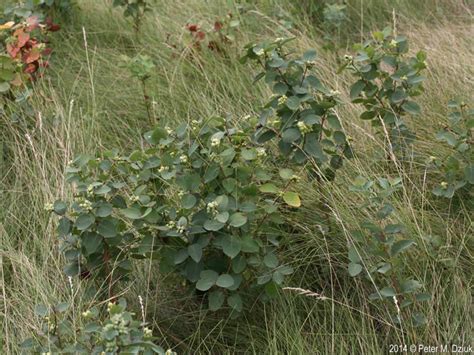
{"points": [[301, 113], [23, 53], [457, 167], [136, 9], [387, 83], [119, 333], [39, 8], [218, 37], [384, 244], [200, 198], [141, 68]]}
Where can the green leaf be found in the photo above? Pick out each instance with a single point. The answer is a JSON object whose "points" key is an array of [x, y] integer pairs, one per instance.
{"points": [[235, 302], [216, 300], [60, 207], [400, 246], [290, 135], [292, 199], [213, 225], [309, 55], [368, 115], [269, 188], [354, 269], [469, 174], [41, 310], [158, 134], [132, 213], [104, 210], [237, 220], [211, 173], [181, 256], [293, 103], [222, 217], [84, 221], [225, 281], [4, 87], [248, 154], [398, 96], [231, 246], [195, 252], [423, 297], [64, 227], [91, 242], [107, 228], [387, 292], [71, 269], [409, 286], [270, 260], [286, 174], [188, 201], [249, 245], [411, 107], [356, 89], [207, 279], [239, 263], [313, 147]]}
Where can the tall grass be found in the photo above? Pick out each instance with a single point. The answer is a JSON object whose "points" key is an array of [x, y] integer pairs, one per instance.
{"points": [[89, 103]]}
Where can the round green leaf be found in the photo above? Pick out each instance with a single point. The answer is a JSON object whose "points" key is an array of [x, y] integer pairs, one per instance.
{"points": [[195, 252], [84, 221], [225, 281], [237, 220], [354, 269], [207, 279], [216, 300], [292, 199], [188, 201]]}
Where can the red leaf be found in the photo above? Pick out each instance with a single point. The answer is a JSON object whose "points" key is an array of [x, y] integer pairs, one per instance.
{"points": [[218, 26], [32, 22], [31, 68], [192, 27], [46, 52], [22, 37], [200, 35], [31, 56], [12, 50]]}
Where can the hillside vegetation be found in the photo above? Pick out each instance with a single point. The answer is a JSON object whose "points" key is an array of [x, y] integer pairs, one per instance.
{"points": [[89, 102]]}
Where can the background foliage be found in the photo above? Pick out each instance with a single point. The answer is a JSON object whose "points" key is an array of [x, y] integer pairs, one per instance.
{"points": [[90, 102]]}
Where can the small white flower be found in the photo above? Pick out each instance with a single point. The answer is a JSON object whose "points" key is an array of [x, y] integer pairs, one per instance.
{"points": [[48, 207], [393, 43], [163, 169], [260, 52], [171, 224], [334, 92], [348, 57], [261, 152], [444, 185], [183, 158], [215, 142], [168, 130], [211, 207], [181, 229], [147, 332], [303, 127], [282, 100], [404, 77]]}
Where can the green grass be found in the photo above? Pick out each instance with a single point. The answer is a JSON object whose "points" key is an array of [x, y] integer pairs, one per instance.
{"points": [[88, 103]]}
